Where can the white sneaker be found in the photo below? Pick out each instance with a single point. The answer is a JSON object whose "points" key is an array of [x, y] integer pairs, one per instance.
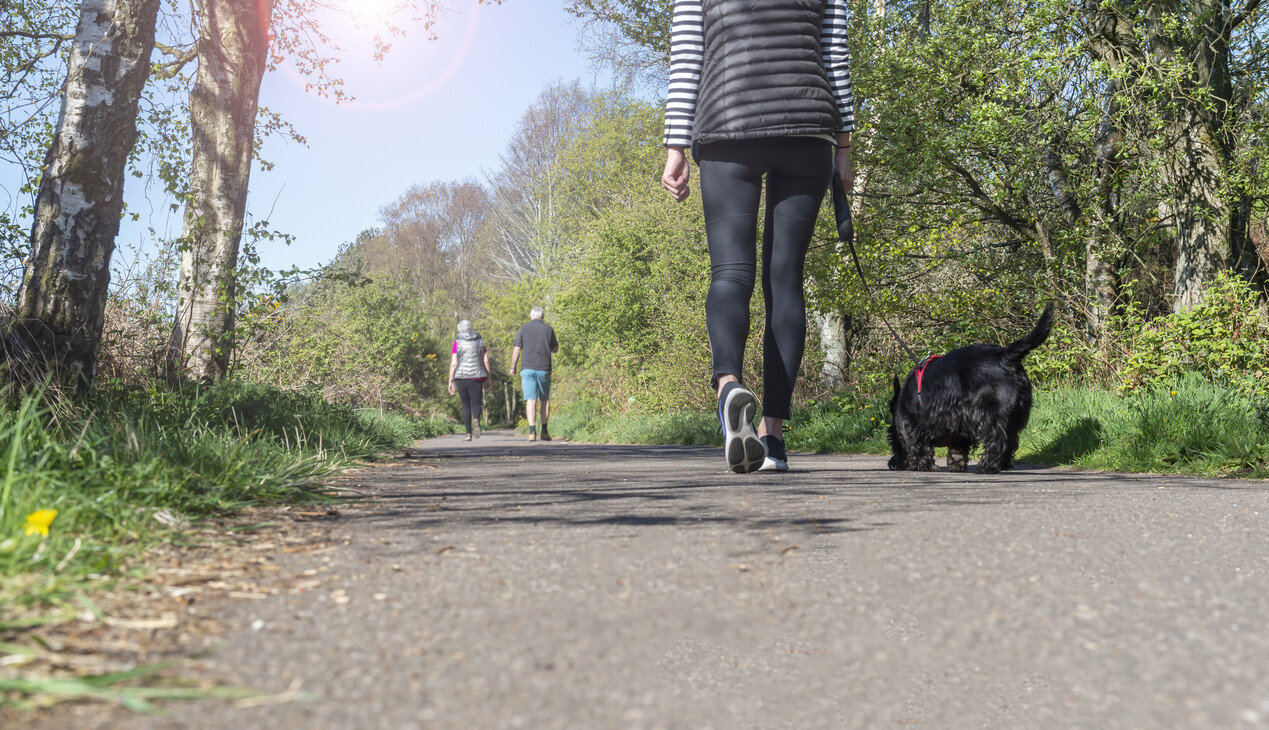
{"points": [[776, 459], [736, 410]]}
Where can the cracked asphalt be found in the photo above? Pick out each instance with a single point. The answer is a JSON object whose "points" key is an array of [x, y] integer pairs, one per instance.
{"points": [[502, 584]]}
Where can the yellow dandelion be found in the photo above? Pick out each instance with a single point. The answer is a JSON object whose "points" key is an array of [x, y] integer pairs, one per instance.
{"points": [[38, 521], [1174, 392]]}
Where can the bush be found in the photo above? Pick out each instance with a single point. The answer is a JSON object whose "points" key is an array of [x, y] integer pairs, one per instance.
{"points": [[1226, 340], [587, 421]]}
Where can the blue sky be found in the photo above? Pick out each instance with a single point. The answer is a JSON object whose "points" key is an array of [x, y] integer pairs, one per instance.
{"points": [[434, 110]]}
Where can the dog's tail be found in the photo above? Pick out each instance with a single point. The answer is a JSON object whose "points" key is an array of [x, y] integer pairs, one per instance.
{"points": [[1018, 349]]}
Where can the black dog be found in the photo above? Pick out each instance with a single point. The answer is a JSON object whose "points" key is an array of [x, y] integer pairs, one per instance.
{"points": [[971, 395]]}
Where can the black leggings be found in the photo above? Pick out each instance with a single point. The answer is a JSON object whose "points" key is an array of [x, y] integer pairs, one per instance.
{"points": [[798, 170], [469, 392]]}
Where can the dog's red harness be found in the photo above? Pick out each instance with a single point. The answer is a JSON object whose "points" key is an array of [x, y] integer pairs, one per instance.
{"points": [[920, 371]]}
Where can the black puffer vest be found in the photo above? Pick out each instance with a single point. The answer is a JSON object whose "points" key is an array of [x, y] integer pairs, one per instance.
{"points": [[763, 75]]}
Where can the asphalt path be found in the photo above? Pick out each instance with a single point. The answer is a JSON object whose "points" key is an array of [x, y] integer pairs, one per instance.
{"points": [[503, 584]]}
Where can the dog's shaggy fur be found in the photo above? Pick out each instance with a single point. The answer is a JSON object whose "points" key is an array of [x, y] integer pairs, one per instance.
{"points": [[972, 395]]}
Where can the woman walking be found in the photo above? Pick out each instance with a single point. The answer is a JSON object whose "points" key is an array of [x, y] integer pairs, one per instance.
{"points": [[469, 375], [758, 89]]}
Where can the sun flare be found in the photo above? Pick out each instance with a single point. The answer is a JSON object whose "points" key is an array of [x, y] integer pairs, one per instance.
{"points": [[424, 53], [373, 11]]}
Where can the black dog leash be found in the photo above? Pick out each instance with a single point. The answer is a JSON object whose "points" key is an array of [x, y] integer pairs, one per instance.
{"points": [[846, 233]]}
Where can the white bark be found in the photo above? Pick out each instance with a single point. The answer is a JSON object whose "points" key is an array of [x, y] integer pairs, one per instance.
{"points": [[832, 328], [233, 50], [61, 305]]}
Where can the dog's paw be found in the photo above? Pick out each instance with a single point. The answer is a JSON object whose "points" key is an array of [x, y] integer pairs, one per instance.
{"points": [[957, 460], [988, 469], [895, 463]]}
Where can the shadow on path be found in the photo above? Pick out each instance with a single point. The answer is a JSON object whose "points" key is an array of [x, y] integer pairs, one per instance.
{"points": [[503, 481]]}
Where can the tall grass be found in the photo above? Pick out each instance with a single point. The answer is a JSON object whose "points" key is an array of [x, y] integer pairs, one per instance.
{"points": [[120, 465], [1190, 426]]}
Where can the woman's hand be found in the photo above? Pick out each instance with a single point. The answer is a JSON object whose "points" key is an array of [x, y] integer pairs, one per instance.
{"points": [[844, 169], [676, 174], [451, 387]]}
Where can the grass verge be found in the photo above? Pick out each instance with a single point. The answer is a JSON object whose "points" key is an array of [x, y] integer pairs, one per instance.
{"points": [[88, 486], [1189, 426], [120, 468]]}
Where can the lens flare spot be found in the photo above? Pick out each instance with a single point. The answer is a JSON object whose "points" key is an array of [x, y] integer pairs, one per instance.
{"points": [[373, 11], [417, 63]]}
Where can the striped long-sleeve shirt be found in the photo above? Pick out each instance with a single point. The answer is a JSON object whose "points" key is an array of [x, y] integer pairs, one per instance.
{"points": [[687, 49]]}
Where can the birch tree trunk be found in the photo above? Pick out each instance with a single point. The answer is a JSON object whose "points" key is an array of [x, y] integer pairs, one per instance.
{"points": [[1101, 280], [233, 49], [1200, 213], [61, 304], [832, 328], [1200, 145], [1197, 107]]}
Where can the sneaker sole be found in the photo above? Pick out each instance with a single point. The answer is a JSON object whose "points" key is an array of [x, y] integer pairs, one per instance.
{"points": [[475, 432], [744, 451]]}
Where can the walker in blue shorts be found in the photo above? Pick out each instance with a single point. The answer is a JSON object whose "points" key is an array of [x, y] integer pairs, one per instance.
{"points": [[536, 384]]}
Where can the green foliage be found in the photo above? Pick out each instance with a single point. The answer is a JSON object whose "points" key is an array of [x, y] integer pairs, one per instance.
{"points": [[1225, 340], [1064, 356], [369, 343], [644, 23], [506, 307], [587, 421], [627, 291]]}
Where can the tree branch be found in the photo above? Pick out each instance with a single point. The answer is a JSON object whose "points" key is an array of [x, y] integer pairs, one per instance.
{"points": [[991, 207], [173, 67], [1246, 12], [35, 36]]}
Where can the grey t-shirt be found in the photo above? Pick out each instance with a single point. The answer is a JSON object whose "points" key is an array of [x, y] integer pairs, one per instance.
{"points": [[535, 339]]}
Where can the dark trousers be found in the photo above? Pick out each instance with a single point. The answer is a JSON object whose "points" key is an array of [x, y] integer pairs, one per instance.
{"points": [[469, 393], [798, 170]]}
